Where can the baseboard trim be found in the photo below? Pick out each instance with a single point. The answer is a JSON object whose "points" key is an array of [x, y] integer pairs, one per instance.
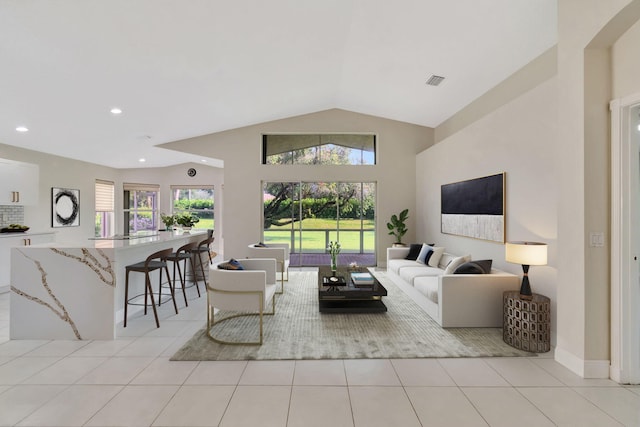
{"points": [[584, 368]]}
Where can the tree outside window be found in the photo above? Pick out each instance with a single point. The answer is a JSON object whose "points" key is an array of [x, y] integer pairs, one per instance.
{"points": [[198, 201]]}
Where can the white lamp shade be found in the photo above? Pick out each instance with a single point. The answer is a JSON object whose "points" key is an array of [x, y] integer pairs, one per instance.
{"points": [[526, 253]]}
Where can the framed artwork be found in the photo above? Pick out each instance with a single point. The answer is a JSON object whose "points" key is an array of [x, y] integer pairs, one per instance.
{"points": [[65, 207], [474, 208]]}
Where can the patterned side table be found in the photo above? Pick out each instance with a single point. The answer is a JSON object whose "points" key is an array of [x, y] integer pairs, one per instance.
{"points": [[527, 323]]}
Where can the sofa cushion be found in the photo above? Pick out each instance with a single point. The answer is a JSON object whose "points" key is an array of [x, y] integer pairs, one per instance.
{"points": [[408, 274], [435, 257], [454, 263], [414, 251], [395, 265], [475, 267], [427, 286]]}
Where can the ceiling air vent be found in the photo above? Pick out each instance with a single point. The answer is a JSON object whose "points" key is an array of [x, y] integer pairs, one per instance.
{"points": [[435, 80]]}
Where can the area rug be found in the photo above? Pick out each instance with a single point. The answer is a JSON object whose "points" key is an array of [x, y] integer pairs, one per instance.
{"points": [[299, 331]]}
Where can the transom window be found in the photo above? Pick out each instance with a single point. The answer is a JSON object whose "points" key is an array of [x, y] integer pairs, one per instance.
{"points": [[319, 149]]}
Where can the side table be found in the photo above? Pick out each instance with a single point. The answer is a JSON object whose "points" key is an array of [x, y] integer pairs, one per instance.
{"points": [[527, 323]]}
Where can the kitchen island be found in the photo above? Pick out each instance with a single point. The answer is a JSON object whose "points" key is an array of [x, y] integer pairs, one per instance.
{"points": [[75, 290]]}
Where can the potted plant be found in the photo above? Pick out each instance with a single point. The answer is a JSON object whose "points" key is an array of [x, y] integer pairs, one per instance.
{"points": [[168, 220], [397, 226], [186, 220]]}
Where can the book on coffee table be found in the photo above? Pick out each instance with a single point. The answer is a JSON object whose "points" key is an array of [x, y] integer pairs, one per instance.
{"points": [[362, 279]]}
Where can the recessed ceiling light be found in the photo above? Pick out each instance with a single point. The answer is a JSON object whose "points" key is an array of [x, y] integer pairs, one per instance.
{"points": [[22, 129], [142, 160], [116, 110]]}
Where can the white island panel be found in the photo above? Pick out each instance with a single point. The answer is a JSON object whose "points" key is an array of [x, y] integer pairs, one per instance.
{"points": [[76, 291]]}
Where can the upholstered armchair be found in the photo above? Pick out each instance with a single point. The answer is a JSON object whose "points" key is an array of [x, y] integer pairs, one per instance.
{"points": [[249, 292], [278, 251]]}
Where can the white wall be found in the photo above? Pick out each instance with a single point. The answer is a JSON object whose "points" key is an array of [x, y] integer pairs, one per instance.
{"points": [[584, 82], [626, 63], [62, 172], [56, 171], [519, 139], [240, 149]]}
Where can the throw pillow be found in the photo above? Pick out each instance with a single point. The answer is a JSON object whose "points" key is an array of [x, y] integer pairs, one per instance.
{"points": [[232, 264], [435, 257], [475, 267], [414, 251], [425, 254], [455, 263]]}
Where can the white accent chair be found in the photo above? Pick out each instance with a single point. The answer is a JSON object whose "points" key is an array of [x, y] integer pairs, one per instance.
{"points": [[278, 251], [248, 292]]}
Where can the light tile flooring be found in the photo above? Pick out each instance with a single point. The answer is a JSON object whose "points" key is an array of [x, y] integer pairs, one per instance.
{"points": [[131, 382]]}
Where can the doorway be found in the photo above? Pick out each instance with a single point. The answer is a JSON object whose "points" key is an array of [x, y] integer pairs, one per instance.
{"points": [[625, 240]]}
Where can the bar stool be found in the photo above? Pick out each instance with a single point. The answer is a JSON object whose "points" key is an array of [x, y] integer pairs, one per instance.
{"points": [[155, 261], [182, 255], [201, 248]]}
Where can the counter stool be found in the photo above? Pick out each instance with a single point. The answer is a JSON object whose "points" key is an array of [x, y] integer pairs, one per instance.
{"points": [[202, 248], [155, 261], [182, 255]]}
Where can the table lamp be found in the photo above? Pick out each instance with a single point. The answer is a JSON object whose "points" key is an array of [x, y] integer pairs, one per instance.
{"points": [[526, 254]]}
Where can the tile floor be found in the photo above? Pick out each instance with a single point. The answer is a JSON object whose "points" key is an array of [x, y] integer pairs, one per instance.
{"points": [[131, 382]]}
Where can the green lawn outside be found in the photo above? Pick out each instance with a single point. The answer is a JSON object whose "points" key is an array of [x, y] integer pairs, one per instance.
{"points": [[316, 241], [207, 224]]}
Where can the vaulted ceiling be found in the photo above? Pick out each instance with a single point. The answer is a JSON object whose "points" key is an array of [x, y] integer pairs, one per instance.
{"points": [[179, 69]]}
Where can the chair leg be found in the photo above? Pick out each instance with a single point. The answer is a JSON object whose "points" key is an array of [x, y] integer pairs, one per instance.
{"points": [[146, 293], [171, 287], [126, 299], [183, 278], [150, 292], [195, 279], [204, 278], [281, 278]]}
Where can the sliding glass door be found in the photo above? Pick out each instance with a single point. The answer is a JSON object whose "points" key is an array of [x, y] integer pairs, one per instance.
{"points": [[308, 215]]}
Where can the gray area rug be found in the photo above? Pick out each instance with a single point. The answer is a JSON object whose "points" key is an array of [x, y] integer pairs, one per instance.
{"points": [[299, 331]]}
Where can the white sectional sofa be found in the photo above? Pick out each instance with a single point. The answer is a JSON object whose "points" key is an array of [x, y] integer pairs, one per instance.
{"points": [[452, 300]]}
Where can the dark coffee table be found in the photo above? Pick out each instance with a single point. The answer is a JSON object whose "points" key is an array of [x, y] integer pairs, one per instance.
{"points": [[346, 298]]}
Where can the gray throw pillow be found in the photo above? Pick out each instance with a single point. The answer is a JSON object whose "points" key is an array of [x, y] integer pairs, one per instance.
{"points": [[475, 267]]}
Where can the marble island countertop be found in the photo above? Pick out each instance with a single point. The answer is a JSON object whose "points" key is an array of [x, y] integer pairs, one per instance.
{"points": [[24, 233], [118, 243], [76, 289]]}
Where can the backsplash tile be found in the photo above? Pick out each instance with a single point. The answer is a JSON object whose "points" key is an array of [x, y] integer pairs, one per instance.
{"points": [[11, 215]]}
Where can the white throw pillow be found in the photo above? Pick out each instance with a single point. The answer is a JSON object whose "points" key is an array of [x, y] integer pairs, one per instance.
{"points": [[423, 253], [435, 257], [455, 263]]}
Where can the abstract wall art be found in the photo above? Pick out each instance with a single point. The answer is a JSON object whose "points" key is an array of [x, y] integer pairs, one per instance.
{"points": [[65, 207], [474, 208]]}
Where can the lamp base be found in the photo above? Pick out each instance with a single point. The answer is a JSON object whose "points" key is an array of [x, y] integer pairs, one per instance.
{"points": [[525, 288]]}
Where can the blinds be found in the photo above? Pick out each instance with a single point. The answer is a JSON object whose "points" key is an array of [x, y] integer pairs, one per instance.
{"points": [[104, 196], [128, 186]]}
